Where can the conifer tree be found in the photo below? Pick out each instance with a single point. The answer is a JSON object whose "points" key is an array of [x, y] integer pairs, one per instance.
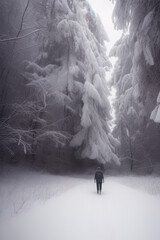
{"points": [[139, 51], [70, 71]]}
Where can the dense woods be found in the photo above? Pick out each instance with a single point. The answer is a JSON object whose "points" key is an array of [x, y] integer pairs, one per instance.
{"points": [[54, 108], [79, 119], [136, 79], [54, 105]]}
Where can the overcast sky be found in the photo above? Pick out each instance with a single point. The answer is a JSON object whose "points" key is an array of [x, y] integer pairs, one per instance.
{"points": [[104, 8]]}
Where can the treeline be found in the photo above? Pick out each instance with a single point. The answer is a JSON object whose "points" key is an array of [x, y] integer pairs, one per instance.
{"points": [[137, 80], [54, 108]]}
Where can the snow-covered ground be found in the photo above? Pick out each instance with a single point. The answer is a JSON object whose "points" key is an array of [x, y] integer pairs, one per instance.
{"points": [[39, 206]]}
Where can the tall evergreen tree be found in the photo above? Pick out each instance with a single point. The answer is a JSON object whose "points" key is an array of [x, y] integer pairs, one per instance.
{"points": [[138, 54], [70, 71]]}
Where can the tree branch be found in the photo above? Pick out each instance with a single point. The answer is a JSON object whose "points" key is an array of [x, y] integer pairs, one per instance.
{"points": [[18, 38], [21, 25]]}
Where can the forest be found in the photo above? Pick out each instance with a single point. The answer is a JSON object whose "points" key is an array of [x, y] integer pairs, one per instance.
{"points": [[79, 119], [55, 111]]}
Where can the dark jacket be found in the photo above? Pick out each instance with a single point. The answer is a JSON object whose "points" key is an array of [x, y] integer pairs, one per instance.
{"points": [[99, 176]]}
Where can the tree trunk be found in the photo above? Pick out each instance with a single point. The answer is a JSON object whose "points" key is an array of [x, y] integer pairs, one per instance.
{"points": [[131, 153]]}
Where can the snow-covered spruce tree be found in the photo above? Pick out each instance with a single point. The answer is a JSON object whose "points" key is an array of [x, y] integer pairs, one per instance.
{"points": [[130, 115], [69, 74], [92, 139], [141, 19]]}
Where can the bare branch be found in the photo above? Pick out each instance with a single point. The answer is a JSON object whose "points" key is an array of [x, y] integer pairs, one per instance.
{"points": [[21, 25], [24, 48], [18, 38], [18, 207]]}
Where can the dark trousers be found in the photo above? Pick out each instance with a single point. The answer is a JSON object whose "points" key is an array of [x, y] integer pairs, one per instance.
{"points": [[99, 186]]}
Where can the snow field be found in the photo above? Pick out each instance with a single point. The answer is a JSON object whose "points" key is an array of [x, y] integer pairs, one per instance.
{"points": [[126, 210]]}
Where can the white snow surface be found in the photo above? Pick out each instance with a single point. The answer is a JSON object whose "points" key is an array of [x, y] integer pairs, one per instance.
{"points": [[68, 208]]}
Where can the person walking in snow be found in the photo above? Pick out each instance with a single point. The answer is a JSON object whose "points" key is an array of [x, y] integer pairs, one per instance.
{"points": [[99, 178]]}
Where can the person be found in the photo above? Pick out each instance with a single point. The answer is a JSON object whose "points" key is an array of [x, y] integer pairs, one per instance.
{"points": [[99, 178]]}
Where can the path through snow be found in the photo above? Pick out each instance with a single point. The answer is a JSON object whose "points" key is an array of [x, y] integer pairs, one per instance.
{"points": [[126, 210]]}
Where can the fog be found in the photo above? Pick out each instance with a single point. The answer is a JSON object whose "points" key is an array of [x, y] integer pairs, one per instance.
{"points": [[79, 90]]}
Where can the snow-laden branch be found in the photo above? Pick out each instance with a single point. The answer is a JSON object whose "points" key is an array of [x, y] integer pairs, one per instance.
{"points": [[58, 137]]}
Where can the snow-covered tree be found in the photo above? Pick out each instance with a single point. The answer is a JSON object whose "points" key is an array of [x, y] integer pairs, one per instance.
{"points": [[14, 37], [140, 50], [129, 111], [69, 74], [142, 19]]}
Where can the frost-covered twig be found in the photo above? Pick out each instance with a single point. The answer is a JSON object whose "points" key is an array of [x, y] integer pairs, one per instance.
{"points": [[18, 207], [14, 112], [57, 137]]}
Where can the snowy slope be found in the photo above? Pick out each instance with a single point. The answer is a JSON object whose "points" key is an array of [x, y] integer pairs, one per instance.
{"points": [[128, 209]]}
